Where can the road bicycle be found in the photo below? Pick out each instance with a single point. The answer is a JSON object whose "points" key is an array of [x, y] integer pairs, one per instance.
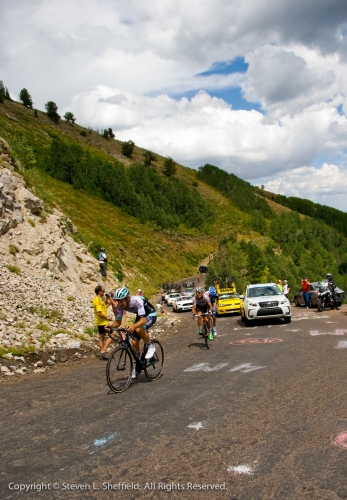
{"points": [[205, 330], [124, 358]]}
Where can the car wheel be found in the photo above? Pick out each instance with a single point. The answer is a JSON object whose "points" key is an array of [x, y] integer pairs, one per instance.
{"points": [[296, 302], [245, 320], [287, 319]]}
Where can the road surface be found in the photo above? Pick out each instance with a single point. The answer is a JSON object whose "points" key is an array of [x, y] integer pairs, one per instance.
{"points": [[261, 415]]}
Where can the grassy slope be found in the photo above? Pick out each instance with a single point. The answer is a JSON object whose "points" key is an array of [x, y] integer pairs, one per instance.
{"points": [[147, 254]]}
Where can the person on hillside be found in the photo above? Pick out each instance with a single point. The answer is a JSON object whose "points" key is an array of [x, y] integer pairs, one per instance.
{"points": [[101, 319], [140, 292], [286, 288], [214, 297], [103, 262], [305, 288]]}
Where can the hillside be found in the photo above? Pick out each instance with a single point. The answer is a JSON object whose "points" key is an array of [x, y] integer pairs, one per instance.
{"points": [[250, 235], [143, 253]]}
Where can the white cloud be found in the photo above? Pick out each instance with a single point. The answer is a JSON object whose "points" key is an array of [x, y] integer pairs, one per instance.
{"points": [[327, 185], [206, 129], [117, 64]]}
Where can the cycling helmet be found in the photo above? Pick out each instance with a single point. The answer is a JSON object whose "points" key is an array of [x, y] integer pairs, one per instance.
{"points": [[102, 249], [121, 293], [329, 276], [199, 289], [212, 290]]}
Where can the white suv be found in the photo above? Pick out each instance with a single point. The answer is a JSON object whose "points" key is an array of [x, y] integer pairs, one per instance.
{"points": [[264, 301]]}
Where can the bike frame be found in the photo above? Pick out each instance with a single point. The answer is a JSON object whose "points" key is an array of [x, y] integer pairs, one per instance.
{"points": [[139, 360]]}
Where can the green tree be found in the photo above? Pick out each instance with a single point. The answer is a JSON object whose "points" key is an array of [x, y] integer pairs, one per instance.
{"points": [[25, 98], [69, 117], [170, 167], [4, 93], [148, 157], [128, 148], [110, 133], [52, 111]]}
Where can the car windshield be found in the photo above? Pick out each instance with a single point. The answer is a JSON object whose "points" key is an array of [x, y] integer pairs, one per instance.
{"points": [[183, 298], [224, 296], [263, 291]]}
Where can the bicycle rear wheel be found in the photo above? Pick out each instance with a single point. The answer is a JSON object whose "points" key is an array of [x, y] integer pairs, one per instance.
{"points": [[154, 365], [206, 333], [118, 369]]}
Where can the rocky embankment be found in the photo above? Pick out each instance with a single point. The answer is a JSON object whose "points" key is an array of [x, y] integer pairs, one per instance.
{"points": [[47, 283]]}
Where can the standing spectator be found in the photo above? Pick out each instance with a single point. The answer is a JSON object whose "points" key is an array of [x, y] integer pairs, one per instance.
{"points": [[101, 319], [162, 293], [305, 287], [286, 288], [280, 285], [103, 262], [140, 292]]}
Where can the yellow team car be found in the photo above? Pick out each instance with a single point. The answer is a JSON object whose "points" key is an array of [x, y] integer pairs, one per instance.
{"points": [[229, 301]]}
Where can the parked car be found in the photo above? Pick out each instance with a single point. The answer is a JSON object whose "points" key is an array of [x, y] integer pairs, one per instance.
{"points": [[314, 289], [182, 303], [171, 297], [264, 301], [203, 269], [228, 302], [188, 291]]}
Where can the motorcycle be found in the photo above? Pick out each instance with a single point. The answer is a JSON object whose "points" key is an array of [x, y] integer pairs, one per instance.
{"points": [[326, 298]]}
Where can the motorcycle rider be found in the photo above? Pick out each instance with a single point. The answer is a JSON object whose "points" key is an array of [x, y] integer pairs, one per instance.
{"points": [[331, 284]]}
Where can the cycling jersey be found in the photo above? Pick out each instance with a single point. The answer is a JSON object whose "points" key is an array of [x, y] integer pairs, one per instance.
{"points": [[213, 297], [138, 305], [201, 302]]}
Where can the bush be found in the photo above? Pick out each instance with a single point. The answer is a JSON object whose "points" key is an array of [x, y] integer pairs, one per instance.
{"points": [[25, 98], [128, 148], [195, 184], [13, 249], [170, 167], [148, 157], [84, 133], [69, 117], [52, 111], [13, 269]]}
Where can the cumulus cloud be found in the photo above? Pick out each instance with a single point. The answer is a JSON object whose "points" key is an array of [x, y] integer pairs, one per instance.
{"points": [[327, 185], [207, 129], [120, 64]]}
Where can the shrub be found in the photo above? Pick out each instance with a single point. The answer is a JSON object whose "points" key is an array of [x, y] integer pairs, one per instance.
{"points": [[84, 133], [69, 117], [52, 111], [43, 327], [13, 249], [13, 269], [128, 148], [90, 330], [25, 98], [71, 298], [195, 184], [31, 222], [170, 167]]}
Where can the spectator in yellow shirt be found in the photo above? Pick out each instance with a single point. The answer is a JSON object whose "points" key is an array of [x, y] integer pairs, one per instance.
{"points": [[101, 320]]}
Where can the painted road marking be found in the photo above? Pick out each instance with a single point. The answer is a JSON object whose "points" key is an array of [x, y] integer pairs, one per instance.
{"points": [[309, 317], [255, 341], [342, 344], [195, 425], [240, 469], [204, 367], [246, 368], [337, 332], [98, 444], [341, 440]]}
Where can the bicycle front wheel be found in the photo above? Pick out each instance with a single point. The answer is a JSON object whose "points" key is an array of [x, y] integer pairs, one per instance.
{"points": [[206, 334], [118, 369], [154, 365]]}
